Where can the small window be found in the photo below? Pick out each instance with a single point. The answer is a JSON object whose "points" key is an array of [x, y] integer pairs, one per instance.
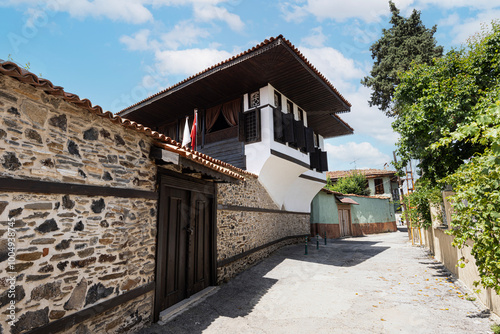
{"points": [[301, 115], [277, 99], [379, 186], [255, 99], [252, 126], [289, 107]]}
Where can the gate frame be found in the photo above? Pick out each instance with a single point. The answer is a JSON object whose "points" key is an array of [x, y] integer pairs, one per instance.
{"points": [[184, 182]]}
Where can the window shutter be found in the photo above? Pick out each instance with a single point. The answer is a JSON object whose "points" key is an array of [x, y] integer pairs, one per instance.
{"points": [[300, 134], [314, 158], [241, 126], [288, 128], [323, 162], [309, 140], [278, 124]]}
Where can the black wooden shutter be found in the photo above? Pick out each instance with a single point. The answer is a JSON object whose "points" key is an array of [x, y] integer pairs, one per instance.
{"points": [[300, 134], [288, 128], [241, 126], [278, 124], [314, 158], [309, 140], [323, 161]]}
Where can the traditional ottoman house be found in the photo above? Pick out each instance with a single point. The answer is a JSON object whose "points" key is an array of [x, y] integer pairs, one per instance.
{"points": [[381, 182], [266, 110], [83, 206], [114, 222]]}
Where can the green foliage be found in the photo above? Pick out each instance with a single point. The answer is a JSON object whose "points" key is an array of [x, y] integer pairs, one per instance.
{"points": [[449, 119], [419, 203], [432, 101], [406, 41], [476, 201], [495, 328], [355, 183]]}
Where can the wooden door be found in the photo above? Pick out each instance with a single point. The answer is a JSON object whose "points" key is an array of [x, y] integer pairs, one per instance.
{"points": [[199, 244], [345, 221], [185, 254]]}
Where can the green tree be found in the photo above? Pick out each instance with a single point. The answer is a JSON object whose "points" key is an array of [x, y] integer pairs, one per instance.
{"points": [[449, 119], [406, 41], [355, 183]]}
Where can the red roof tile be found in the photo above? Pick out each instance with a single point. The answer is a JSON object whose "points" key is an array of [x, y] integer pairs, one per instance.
{"points": [[14, 71], [369, 173]]}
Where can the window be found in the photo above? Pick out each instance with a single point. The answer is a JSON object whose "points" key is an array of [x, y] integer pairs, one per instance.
{"points": [[379, 186], [289, 107], [255, 99], [301, 115], [251, 126], [277, 99]]}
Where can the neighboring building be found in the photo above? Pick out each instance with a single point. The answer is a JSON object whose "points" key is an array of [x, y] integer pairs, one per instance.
{"points": [[266, 110], [381, 182], [115, 222], [339, 215]]}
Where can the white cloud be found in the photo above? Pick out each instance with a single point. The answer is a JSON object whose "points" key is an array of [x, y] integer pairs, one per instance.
{"points": [[368, 120], [139, 41], [189, 61], [135, 11], [355, 154], [332, 64], [207, 13], [316, 39], [449, 4], [340, 10], [184, 33], [464, 29]]}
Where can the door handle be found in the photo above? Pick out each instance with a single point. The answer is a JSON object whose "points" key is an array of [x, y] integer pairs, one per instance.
{"points": [[189, 229]]}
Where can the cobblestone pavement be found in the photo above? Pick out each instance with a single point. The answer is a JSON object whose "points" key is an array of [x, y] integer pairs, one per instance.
{"points": [[373, 284]]}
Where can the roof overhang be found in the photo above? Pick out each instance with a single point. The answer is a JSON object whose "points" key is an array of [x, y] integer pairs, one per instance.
{"points": [[276, 62], [346, 200]]}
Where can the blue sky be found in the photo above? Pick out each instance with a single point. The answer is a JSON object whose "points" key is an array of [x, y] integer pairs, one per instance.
{"points": [[117, 52]]}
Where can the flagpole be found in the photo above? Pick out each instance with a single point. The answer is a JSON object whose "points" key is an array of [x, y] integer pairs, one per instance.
{"points": [[194, 131]]}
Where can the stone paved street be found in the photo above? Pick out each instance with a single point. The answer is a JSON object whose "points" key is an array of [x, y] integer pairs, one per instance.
{"points": [[373, 284]]}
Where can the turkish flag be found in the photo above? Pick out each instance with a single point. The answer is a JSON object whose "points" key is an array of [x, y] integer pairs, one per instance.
{"points": [[193, 132]]}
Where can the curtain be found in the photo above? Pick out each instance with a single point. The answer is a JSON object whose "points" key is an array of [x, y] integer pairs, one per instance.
{"points": [[230, 110], [211, 116]]}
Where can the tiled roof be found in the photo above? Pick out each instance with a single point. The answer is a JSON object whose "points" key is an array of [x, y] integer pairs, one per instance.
{"points": [[13, 70], [369, 173], [336, 193], [255, 48]]}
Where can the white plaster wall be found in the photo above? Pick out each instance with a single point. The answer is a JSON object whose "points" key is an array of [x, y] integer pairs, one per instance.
{"points": [[278, 176], [301, 193]]}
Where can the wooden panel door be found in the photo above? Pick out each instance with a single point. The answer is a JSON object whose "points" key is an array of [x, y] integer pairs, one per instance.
{"points": [[199, 243], [173, 229], [344, 221], [185, 253]]}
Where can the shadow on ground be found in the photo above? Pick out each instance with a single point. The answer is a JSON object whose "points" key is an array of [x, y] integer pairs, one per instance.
{"points": [[239, 296]]}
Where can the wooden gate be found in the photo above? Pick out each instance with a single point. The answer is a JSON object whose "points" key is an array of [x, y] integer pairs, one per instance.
{"points": [[344, 220], [186, 239]]}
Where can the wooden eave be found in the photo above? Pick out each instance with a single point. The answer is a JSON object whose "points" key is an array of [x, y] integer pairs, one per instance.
{"points": [[277, 63]]}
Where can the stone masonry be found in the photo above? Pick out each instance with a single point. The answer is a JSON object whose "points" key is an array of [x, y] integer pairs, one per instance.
{"points": [[239, 231], [73, 251]]}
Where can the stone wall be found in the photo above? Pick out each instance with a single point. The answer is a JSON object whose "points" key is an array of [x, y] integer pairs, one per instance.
{"points": [[73, 251], [239, 230], [43, 137]]}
